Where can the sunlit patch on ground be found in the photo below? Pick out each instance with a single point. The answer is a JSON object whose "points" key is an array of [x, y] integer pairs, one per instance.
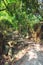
{"points": [[32, 54]]}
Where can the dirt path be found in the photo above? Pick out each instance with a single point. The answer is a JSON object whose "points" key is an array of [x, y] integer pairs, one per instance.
{"points": [[34, 56]]}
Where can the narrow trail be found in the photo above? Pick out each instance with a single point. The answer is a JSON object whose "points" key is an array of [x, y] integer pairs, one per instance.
{"points": [[34, 56]]}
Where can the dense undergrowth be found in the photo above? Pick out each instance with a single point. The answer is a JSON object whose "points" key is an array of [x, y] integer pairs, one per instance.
{"points": [[18, 15]]}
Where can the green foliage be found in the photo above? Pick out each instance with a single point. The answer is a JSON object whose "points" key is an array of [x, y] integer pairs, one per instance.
{"points": [[18, 14]]}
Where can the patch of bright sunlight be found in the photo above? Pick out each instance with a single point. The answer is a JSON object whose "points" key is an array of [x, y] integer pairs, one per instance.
{"points": [[32, 54]]}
